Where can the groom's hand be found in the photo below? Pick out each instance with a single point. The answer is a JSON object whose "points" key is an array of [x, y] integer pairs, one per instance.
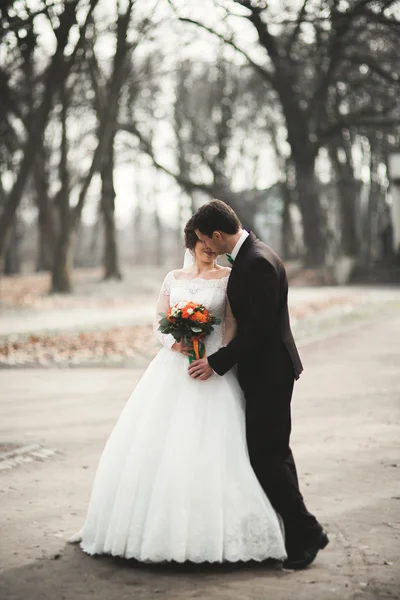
{"points": [[200, 369]]}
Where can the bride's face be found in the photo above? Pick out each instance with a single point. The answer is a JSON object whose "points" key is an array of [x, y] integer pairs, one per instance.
{"points": [[203, 254]]}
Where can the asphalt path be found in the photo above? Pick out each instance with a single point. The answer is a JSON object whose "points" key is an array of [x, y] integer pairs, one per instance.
{"points": [[346, 432]]}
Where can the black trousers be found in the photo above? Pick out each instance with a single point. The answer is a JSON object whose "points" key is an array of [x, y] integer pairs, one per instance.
{"points": [[268, 427]]}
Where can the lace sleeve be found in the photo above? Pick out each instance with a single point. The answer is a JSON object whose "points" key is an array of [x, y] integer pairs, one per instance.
{"points": [[163, 305], [229, 325]]}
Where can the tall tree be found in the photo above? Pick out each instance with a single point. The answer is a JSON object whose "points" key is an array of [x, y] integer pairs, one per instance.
{"points": [[209, 110], [62, 261], [307, 53], [340, 152], [53, 78], [46, 213], [99, 164]]}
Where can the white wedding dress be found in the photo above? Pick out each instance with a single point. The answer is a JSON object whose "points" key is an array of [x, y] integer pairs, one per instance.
{"points": [[174, 482]]}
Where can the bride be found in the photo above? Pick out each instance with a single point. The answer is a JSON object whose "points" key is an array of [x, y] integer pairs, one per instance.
{"points": [[174, 482]]}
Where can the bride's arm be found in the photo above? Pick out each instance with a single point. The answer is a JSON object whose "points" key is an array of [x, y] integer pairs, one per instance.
{"points": [[229, 326], [163, 306]]}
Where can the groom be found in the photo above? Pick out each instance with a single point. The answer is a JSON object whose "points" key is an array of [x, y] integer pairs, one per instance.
{"points": [[267, 364]]}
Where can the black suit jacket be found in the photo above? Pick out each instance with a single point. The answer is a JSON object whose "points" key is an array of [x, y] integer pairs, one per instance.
{"points": [[257, 292]]}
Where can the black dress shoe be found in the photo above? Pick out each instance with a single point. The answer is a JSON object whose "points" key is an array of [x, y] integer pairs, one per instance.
{"points": [[304, 558]]}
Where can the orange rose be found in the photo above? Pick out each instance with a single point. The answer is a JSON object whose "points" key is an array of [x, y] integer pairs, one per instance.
{"points": [[199, 317], [189, 307]]}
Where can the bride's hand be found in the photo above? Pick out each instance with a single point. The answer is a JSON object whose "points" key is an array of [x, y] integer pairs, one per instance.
{"points": [[181, 347]]}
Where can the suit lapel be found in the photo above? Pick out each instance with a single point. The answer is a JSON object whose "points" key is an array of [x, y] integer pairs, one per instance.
{"points": [[249, 241]]}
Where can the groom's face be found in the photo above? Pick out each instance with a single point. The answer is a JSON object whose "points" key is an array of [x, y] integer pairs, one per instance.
{"points": [[215, 243]]}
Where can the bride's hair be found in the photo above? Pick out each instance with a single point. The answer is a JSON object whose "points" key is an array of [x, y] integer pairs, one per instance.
{"points": [[191, 238]]}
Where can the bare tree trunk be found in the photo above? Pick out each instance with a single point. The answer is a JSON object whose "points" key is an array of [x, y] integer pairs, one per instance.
{"points": [[3, 200], [287, 226], [12, 263], [286, 168], [303, 156], [54, 76], [311, 211], [109, 115], [373, 205], [44, 255], [348, 191], [61, 280], [61, 272], [347, 188], [111, 260], [96, 235], [46, 217], [69, 219]]}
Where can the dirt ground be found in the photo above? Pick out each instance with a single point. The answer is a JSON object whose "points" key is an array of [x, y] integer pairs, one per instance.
{"points": [[346, 416]]}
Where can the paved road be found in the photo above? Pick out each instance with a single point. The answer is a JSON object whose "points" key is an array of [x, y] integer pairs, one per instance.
{"points": [[346, 441]]}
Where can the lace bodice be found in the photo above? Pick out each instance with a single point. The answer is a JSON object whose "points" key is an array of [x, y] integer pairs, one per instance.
{"points": [[210, 292]]}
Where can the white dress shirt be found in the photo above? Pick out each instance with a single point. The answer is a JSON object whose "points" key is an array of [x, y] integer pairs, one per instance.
{"points": [[239, 243]]}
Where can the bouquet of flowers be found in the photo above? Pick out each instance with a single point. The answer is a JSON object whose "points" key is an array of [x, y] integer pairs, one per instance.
{"points": [[189, 321]]}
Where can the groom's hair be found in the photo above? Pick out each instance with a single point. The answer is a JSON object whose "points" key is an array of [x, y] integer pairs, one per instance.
{"points": [[216, 216]]}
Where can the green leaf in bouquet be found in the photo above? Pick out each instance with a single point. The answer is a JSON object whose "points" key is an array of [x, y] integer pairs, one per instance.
{"points": [[164, 322], [196, 329]]}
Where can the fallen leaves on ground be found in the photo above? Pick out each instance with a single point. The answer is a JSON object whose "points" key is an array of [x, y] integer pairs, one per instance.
{"points": [[111, 345], [8, 447], [76, 348]]}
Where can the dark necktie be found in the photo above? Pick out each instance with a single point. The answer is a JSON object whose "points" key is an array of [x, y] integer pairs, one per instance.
{"points": [[230, 259]]}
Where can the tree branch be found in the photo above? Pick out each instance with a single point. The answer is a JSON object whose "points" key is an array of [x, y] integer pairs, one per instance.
{"points": [[300, 20], [379, 18], [358, 120], [146, 145], [263, 72], [266, 39], [341, 27], [108, 120], [54, 77], [363, 59], [82, 35]]}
